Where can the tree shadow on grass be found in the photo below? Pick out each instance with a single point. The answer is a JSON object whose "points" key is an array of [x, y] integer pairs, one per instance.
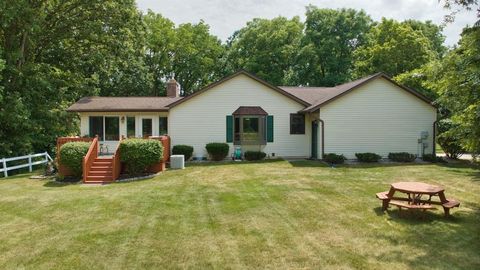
{"points": [[60, 184], [308, 163], [444, 243], [409, 217], [223, 163]]}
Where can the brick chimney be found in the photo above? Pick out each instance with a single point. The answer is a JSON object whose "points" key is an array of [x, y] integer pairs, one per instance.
{"points": [[173, 88]]}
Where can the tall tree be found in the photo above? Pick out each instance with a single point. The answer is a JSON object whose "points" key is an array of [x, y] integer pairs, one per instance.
{"points": [[457, 82], [197, 56], [266, 48], [432, 32], [57, 52], [331, 36], [188, 53], [394, 48], [161, 42]]}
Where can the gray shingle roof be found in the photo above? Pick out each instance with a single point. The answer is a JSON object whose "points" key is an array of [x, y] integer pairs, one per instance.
{"points": [[122, 104]]}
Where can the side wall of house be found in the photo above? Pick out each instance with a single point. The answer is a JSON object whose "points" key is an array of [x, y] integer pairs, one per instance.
{"points": [[378, 117], [202, 119], [112, 145]]}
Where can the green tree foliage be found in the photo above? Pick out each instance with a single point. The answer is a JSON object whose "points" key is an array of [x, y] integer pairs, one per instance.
{"points": [[188, 53], [266, 48], [418, 79], [196, 60], [161, 41], [394, 48], [56, 52], [457, 82], [431, 31], [456, 6], [325, 56]]}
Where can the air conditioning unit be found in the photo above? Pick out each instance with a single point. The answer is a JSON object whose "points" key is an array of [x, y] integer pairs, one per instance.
{"points": [[177, 162]]}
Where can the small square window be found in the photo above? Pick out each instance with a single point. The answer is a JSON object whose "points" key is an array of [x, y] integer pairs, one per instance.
{"points": [[297, 124]]}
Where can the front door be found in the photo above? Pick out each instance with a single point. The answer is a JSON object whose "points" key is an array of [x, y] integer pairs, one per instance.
{"points": [[314, 139]]}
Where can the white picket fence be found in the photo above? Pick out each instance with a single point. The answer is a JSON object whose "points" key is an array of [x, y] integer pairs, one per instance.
{"points": [[30, 164]]}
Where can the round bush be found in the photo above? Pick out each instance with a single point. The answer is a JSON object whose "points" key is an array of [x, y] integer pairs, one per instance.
{"points": [[368, 157], [217, 151], [254, 155], [181, 149], [138, 154], [334, 158], [432, 158], [402, 157], [71, 155]]}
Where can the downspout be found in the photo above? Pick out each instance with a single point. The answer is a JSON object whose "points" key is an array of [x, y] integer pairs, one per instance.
{"points": [[323, 137], [434, 145]]}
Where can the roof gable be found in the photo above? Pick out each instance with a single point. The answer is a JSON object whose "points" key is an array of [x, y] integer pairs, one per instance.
{"points": [[238, 73], [329, 94]]}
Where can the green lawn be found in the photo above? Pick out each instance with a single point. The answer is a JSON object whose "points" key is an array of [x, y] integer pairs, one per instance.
{"points": [[274, 215]]}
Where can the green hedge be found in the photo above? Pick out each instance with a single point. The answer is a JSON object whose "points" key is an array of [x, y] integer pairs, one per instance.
{"points": [[181, 149], [368, 157], [432, 158], [71, 155], [139, 154], [254, 155], [334, 158], [217, 151], [402, 157]]}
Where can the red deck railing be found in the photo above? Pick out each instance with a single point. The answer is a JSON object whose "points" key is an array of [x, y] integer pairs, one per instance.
{"points": [[90, 157]]}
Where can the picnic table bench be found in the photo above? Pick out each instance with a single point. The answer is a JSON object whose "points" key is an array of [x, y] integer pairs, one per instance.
{"points": [[414, 201]]}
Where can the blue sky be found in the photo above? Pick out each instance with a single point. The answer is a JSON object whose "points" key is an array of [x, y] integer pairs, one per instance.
{"points": [[226, 16]]}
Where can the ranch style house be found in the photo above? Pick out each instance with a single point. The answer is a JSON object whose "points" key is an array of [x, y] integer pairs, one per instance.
{"points": [[372, 114]]}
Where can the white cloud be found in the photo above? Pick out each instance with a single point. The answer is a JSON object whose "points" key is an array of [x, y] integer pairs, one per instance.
{"points": [[225, 17]]}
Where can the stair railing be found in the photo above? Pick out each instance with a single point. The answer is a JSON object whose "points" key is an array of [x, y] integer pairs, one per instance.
{"points": [[116, 166], [90, 157]]}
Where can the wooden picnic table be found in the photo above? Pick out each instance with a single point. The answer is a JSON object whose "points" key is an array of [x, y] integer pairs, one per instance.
{"points": [[415, 191]]}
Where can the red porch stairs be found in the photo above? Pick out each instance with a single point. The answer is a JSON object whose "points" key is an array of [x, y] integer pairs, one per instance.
{"points": [[101, 171]]}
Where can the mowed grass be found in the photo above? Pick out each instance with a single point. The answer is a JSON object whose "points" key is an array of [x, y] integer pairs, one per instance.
{"points": [[270, 215]]}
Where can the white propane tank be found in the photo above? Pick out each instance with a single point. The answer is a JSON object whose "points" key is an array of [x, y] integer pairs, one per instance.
{"points": [[177, 162]]}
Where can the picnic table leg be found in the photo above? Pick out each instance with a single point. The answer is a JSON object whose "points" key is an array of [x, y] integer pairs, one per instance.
{"points": [[447, 211], [443, 200], [385, 204]]}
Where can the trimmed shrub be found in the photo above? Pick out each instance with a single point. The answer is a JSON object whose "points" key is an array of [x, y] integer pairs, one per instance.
{"points": [[217, 151], [402, 157], [71, 155], [432, 158], [334, 158], [254, 155], [181, 149], [368, 157], [138, 154]]}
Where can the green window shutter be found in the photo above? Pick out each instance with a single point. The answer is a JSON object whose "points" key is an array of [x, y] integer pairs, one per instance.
{"points": [[229, 128], [270, 128]]}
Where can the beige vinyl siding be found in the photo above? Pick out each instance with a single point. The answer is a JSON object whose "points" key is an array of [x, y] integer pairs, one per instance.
{"points": [[202, 119], [378, 117], [112, 145]]}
